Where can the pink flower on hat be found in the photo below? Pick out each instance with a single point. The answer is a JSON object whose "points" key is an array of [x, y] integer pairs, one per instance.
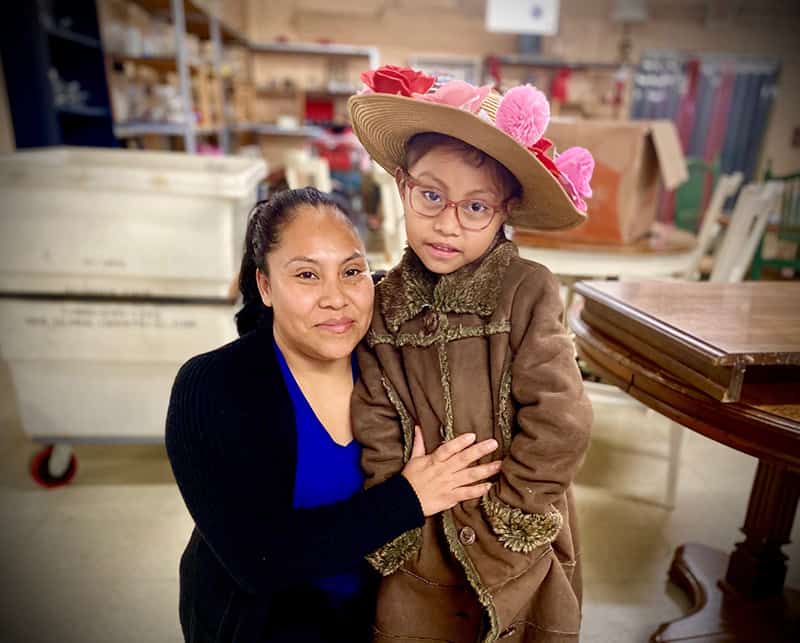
{"points": [[459, 94], [523, 114], [576, 164]]}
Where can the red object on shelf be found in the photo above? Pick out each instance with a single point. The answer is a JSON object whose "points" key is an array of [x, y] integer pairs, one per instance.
{"points": [[319, 109], [559, 84]]}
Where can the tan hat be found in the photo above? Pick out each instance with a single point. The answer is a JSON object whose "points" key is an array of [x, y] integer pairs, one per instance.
{"points": [[550, 199]]}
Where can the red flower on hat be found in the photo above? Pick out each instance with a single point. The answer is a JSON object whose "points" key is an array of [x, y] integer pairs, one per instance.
{"points": [[391, 79]]}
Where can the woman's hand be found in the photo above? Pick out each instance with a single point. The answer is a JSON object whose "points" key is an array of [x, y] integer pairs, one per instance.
{"points": [[444, 478]]}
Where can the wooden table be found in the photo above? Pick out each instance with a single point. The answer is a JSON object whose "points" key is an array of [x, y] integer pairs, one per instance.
{"points": [[664, 252], [723, 360]]}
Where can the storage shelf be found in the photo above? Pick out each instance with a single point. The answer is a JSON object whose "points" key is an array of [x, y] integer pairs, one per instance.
{"points": [[161, 63], [312, 48], [273, 130], [89, 112], [73, 37], [197, 19], [539, 61], [132, 130]]}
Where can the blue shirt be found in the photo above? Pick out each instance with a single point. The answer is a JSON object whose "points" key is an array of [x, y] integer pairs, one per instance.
{"points": [[326, 472]]}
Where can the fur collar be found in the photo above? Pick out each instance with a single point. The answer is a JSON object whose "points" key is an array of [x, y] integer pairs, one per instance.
{"points": [[410, 287]]}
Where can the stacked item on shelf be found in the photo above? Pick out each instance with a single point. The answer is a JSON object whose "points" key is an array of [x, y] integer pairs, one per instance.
{"points": [[115, 267]]}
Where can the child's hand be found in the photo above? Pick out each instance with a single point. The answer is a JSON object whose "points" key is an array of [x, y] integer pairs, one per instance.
{"points": [[444, 478]]}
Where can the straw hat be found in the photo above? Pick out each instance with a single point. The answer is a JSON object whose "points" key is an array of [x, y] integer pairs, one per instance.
{"points": [[552, 189]]}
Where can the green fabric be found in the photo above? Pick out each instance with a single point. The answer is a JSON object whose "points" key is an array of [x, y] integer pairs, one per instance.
{"points": [[788, 226]]}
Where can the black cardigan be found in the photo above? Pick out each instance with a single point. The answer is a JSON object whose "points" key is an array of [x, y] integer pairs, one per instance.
{"points": [[231, 441]]}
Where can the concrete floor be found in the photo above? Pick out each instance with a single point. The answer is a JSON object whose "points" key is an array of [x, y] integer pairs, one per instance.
{"points": [[97, 561]]}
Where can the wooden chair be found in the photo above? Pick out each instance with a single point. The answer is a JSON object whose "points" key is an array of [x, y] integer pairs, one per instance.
{"points": [[745, 230], [785, 227], [726, 187]]}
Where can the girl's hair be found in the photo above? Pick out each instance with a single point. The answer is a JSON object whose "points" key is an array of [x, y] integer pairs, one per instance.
{"points": [[264, 226], [420, 144]]}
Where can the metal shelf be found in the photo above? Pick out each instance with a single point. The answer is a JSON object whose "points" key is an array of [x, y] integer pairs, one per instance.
{"points": [[89, 112], [538, 61], [197, 19], [73, 37], [304, 131], [132, 130], [312, 48], [161, 63]]}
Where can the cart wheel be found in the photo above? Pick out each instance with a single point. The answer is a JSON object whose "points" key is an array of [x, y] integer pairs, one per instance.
{"points": [[49, 471]]}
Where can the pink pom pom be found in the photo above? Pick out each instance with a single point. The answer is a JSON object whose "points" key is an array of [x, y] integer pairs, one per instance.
{"points": [[577, 164], [523, 114]]}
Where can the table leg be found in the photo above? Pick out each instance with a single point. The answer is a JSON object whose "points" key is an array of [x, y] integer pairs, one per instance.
{"points": [[757, 567], [741, 598]]}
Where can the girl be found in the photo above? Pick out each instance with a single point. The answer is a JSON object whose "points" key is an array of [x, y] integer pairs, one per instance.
{"points": [[468, 337]]}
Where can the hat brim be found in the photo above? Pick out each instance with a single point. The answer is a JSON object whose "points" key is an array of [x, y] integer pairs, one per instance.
{"points": [[385, 122]]}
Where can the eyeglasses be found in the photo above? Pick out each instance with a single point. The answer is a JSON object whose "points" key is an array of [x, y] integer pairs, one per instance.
{"points": [[472, 214]]}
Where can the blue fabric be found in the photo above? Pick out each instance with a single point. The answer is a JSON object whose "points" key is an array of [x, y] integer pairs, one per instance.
{"points": [[326, 472]]}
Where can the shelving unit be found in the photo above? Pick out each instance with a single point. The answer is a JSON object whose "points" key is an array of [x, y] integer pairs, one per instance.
{"points": [[268, 98], [55, 74], [599, 89], [186, 17]]}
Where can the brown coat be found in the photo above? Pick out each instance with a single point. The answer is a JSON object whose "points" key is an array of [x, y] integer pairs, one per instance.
{"points": [[484, 350]]}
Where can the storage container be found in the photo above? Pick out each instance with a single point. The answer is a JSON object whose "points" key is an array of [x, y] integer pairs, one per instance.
{"points": [[123, 222], [99, 370]]}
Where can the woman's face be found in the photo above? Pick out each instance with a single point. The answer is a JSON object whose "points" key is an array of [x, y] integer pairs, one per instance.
{"points": [[318, 286]]}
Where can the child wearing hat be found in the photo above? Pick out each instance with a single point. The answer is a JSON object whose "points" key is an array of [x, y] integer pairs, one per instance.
{"points": [[467, 337]]}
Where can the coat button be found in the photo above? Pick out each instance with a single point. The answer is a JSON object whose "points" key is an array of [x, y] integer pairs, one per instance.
{"points": [[466, 535], [431, 323]]}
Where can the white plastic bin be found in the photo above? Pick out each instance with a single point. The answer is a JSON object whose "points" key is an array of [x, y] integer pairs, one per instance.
{"points": [[123, 222], [85, 371]]}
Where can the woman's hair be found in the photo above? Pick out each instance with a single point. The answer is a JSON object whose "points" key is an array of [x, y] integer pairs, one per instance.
{"points": [[420, 144], [264, 226]]}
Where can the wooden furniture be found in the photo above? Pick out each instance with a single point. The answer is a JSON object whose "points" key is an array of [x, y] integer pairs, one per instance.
{"points": [[725, 187], [664, 252], [786, 228], [724, 360], [745, 229]]}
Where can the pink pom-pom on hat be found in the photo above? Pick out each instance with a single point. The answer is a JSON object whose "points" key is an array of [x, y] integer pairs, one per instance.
{"points": [[523, 114], [578, 164]]}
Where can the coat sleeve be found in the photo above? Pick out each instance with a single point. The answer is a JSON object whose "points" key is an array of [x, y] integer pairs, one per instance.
{"points": [[552, 423], [379, 420], [385, 430], [238, 490]]}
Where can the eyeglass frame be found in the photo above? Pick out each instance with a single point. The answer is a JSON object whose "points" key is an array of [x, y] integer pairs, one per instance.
{"points": [[411, 183]]}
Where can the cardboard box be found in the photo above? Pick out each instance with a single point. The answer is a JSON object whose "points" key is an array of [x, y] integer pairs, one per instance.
{"points": [[632, 160]]}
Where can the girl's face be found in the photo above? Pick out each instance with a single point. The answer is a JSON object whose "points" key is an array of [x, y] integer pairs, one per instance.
{"points": [[319, 287], [440, 242]]}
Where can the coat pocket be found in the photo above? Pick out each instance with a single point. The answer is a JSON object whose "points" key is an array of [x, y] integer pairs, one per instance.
{"points": [[412, 608]]}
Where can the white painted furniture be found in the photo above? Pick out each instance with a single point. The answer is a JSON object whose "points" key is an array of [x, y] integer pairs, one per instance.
{"points": [[303, 170], [726, 187], [393, 227]]}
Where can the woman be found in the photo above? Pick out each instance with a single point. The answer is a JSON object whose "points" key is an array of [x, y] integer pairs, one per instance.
{"points": [[258, 435]]}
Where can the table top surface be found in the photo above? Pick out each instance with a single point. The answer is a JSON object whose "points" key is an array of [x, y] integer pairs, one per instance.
{"points": [[661, 240], [635, 336], [758, 322]]}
